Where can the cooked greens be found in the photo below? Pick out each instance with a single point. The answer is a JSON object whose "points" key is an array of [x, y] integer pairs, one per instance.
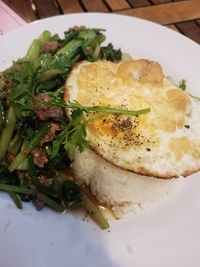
{"points": [[37, 139]]}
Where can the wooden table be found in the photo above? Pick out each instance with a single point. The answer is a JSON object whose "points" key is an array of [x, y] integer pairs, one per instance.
{"points": [[180, 15]]}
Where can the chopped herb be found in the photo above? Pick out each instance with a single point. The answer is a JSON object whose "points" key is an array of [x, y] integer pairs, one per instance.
{"points": [[182, 85]]}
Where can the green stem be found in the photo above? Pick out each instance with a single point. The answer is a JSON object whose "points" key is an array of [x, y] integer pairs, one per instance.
{"points": [[70, 48], [48, 74], [47, 191], [24, 165], [44, 37], [35, 49], [106, 109], [15, 144], [7, 132], [2, 116], [94, 212], [16, 200], [16, 189], [195, 97], [51, 203], [34, 142]]}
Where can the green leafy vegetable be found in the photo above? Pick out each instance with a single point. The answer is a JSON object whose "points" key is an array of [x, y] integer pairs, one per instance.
{"points": [[71, 193], [37, 140], [21, 76], [109, 53], [7, 132], [21, 156]]}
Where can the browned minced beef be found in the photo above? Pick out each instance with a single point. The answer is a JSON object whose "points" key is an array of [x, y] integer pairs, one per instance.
{"points": [[76, 28], [10, 157], [39, 204], [43, 112], [39, 157], [5, 84], [48, 182], [50, 46]]}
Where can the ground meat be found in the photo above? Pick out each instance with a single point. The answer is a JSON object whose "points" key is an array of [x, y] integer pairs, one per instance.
{"points": [[76, 28], [5, 84], [49, 136], [48, 113], [43, 112], [50, 46], [48, 182], [43, 97], [10, 157], [39, 204], [39, 157]]}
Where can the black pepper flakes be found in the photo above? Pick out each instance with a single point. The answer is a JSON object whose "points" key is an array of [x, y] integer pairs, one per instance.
{"points": [[187, 126]]}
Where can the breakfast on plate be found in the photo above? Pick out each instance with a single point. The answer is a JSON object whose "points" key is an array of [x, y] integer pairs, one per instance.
{"points": [[81, 125]]}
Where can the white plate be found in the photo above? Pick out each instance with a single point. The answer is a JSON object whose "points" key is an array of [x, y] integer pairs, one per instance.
{"points": [[168, 234]]}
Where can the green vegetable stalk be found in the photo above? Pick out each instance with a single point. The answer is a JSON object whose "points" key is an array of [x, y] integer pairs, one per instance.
{"points": [[7, 132], [15, 144], [34, 142], [73, 195], [94, 212], [23, 190], [51, 203], [16, 200], [34, 50], [41, 72]]}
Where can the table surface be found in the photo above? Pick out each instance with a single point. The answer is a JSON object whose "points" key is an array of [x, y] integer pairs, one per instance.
{"points": [[181, 15]]}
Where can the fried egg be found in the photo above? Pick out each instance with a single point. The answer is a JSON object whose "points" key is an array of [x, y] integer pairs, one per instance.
{"points": [[163, 143]]}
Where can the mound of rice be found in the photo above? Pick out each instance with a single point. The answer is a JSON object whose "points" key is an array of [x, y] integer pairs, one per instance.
{"points": [[119, 189]]}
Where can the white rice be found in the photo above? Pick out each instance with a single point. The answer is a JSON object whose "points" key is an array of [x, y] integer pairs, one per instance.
{"points": [[121, 190]]}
